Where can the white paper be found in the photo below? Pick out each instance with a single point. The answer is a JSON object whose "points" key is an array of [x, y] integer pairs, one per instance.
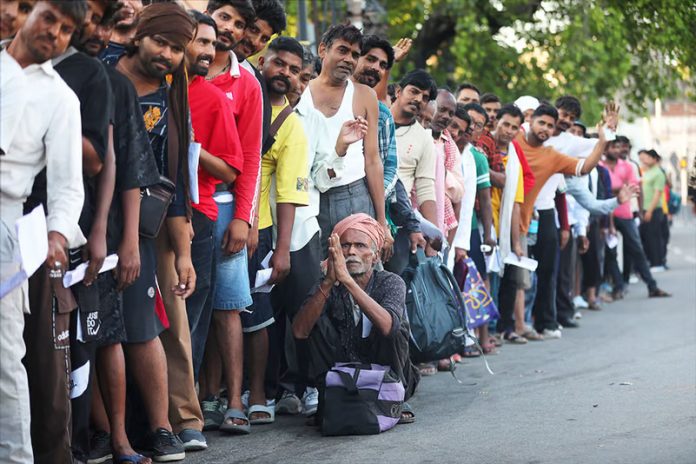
{"points": [[493, 261], [261, 284], [32, 248], [612, 241], [194, 156], [267, 260], [78, 274], [523, 262]]}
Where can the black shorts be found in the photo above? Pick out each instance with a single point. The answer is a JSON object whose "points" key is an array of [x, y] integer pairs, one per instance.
{"points": [[113, 329], [260, 314], [139, 316], [305, 272]]}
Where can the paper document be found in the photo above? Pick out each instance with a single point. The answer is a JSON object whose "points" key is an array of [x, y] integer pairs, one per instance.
{"points": [[523, 262], [261, 284], [32, 248], [194, 157], [78, 274], [493, 264]]}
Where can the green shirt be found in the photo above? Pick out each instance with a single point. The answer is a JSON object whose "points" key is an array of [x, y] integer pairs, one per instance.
{"points": [[653, 183], [483, 179]]}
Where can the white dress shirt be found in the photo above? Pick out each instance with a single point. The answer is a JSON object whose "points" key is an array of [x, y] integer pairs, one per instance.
{"points": [[47, 133]]}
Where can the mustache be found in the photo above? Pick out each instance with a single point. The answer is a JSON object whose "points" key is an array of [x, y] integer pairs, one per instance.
{"points": [[164, 61], [371, 73], [205, 57], [353, 259], [282, 79]]}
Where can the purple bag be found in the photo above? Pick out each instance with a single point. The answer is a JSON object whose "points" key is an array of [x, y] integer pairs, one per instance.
{"points": [[480, 307], [361, 399]]}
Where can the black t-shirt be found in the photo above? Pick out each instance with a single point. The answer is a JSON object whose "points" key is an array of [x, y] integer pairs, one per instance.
{"points": [[135, 162], [87, 78]]}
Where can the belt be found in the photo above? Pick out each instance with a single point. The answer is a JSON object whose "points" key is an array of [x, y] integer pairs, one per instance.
{"points": [[222, 187], [357, 186]]}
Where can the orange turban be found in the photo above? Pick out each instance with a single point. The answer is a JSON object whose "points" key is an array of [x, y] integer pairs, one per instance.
{"points": [[363, 223]]}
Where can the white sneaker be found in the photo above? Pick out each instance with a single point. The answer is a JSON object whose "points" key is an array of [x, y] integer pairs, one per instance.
{"points": [[657, 269], [580, 303], [552, 333], [633, 279], [577, 315], [289, 404], [310, 401]]}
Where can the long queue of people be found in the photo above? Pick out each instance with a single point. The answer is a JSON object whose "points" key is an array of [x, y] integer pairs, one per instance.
{"points": [[262, 215]]}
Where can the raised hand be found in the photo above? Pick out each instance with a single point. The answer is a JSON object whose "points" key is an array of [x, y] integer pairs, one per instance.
{"points": [[401, 48], [351, 131], [610, 115]]}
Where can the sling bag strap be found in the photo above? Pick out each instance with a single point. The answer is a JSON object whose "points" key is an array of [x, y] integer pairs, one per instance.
{"points": [[279, 120]]}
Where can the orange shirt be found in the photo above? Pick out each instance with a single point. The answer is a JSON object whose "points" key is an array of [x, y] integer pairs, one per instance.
{"points": [[544, 162]]}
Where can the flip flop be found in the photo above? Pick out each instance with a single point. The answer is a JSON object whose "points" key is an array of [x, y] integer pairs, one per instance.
{"points": [[231, 427], [410, 417], [427, 369], [532, 335], [270, 410], [514, 338], [471, 352], [129, 458]]}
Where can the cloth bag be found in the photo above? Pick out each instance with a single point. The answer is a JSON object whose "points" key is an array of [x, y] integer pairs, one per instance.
{"points": [[361, 399], [480, 307]]}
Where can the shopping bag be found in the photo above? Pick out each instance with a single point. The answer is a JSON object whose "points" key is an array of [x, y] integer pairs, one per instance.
{"points": [[480, 307]]}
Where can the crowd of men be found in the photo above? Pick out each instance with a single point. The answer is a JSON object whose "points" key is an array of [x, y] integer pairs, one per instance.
{"points": [[315, 175]]}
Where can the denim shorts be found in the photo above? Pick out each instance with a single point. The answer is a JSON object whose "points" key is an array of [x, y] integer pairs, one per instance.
{"points": [[231, 290]]}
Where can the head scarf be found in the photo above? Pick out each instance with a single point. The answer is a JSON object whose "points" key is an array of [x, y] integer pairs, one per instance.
{"points": [[168, 20], [172, 23], [526, 102], [363, 223]]}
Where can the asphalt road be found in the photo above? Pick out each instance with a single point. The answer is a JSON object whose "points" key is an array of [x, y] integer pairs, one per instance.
{"points": [[620, 389]]}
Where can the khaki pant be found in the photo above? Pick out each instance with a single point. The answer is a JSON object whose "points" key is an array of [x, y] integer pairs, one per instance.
{"points": [[184, 409], [15, 435]]}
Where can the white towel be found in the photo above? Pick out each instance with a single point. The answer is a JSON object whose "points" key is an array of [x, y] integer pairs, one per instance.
{"points": [[512, 172]]}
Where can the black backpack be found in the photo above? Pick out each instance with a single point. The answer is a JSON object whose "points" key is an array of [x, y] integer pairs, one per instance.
{"points": [[435, 308]]}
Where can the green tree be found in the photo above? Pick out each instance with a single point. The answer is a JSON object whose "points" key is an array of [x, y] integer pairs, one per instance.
{"points": [[635, 50]]}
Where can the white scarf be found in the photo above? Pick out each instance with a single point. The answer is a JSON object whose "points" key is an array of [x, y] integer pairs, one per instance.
{"points": [[512, 172]]}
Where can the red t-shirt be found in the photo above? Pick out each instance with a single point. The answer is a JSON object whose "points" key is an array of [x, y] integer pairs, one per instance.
{"points": [[244, 91], [215, 129]]}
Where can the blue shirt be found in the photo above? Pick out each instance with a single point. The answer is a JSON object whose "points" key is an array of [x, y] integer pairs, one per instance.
{"points": [[387, 148]]}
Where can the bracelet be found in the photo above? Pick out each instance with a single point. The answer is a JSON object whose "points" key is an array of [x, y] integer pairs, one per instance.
{"points": [[326, 297]]}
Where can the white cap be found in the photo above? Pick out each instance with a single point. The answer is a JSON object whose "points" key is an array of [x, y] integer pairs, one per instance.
{"points": [[527, 102]]}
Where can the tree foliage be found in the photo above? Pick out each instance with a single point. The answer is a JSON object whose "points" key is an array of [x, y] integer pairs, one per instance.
{"points": [[634, 50]]}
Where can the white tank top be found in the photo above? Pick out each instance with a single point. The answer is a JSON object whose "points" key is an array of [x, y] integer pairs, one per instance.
{"points": [[354, 163]]}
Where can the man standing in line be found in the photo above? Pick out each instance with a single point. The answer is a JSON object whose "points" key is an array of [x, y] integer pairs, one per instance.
{"points": [[350, 182], [168, 386], [42, 129], [621, 174], [221, 161], [376, 59], [414, 145], [234, 228], [284, 186]]}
